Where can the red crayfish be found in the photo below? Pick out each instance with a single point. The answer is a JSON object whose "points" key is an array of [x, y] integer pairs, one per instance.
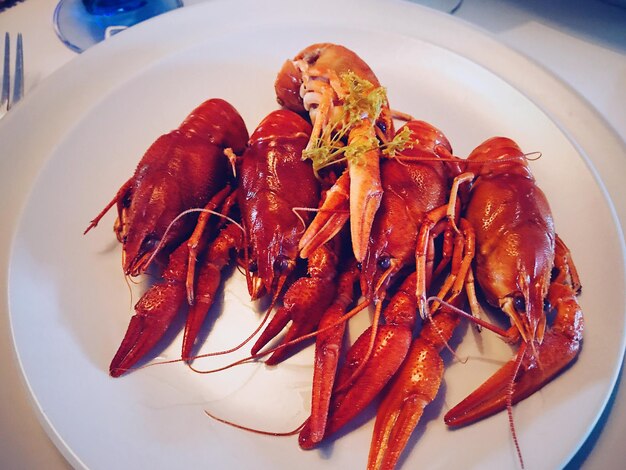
{"points": [[423, 223]]}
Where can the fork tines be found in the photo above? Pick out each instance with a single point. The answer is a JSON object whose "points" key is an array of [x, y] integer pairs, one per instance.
{"points": [[6, 100]]}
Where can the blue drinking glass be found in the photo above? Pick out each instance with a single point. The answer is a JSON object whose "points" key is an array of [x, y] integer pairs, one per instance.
{"points": [[82, 23], [112, 7]]}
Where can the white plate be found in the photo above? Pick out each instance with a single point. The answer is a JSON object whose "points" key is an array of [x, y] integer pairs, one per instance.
{"points": [[69, 305]]}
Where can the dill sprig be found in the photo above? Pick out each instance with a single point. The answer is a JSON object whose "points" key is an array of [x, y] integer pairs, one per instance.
{"points": [[361, 100], [401, 141]]}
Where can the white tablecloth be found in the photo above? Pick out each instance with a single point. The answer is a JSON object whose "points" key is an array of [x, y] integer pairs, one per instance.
{"points": [[583, 42]]}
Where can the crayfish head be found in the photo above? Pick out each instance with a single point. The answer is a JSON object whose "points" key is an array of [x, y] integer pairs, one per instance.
{"points": [[149, 224], [526, 309], [137, 255], [152, 210], [377, 271], [140, 244], [326, 80], [268, 274]]}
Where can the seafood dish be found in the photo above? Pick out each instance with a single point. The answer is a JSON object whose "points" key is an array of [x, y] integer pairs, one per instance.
{"points": [[338, 203]]}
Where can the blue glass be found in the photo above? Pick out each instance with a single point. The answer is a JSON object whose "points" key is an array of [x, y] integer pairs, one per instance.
{"points": [[82, 23], [112, 7]]}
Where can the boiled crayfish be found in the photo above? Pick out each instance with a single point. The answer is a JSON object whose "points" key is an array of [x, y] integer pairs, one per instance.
{"points": [[184, 169], [422, 223], [350, 113], [274, 182], [416, 185], [525, 269]]}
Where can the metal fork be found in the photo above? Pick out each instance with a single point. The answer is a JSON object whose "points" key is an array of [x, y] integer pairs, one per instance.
{"points": [[6, 100]]}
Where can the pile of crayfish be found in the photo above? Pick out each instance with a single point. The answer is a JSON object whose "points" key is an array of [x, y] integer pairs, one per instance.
{"points": [[329, 211]]}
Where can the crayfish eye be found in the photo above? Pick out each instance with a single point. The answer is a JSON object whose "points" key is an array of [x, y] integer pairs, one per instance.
{"points": [[520, 304], [549, 311], [150, 243], [253, 266], [384, 262], [547, 306], [281, 264]]}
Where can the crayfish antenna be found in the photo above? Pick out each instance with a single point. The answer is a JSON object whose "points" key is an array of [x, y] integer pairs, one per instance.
{"points": [[256, 431], [370, 348], [253, 357], [266, 316]]}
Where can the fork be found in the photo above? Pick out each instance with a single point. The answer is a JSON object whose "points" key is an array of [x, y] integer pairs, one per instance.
{"points": [[6, 100]]}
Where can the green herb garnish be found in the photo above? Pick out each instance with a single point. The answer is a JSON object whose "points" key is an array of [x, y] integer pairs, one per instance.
{"points": [[362, 100]]}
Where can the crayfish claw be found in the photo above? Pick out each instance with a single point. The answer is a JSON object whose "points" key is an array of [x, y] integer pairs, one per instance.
{"points": [[533, 367]]}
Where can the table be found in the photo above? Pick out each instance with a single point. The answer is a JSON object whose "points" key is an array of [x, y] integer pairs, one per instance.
{"points": [[583, 42]]}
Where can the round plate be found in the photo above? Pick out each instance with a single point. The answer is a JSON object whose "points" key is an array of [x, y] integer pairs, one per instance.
{"points": [[69, 304]]}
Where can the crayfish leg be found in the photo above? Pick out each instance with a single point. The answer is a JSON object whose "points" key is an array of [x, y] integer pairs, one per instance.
{"points": [[331, 217], [303, 304], [423, 261], [209, 278], [198, 237]]}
